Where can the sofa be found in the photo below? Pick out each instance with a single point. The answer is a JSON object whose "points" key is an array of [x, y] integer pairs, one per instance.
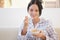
{"points": [[11, 33]]}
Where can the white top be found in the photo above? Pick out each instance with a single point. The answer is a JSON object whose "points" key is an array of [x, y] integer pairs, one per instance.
{"points": [[44, 25]]}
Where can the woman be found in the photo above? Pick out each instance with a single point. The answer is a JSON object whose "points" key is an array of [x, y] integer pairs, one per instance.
{"points": [[46, 32]]}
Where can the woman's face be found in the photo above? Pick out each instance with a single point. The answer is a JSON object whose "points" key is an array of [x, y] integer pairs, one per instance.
{"points": [[34, 11]]}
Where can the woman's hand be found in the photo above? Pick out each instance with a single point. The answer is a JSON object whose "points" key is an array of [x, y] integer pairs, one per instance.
{"points": [[40, 35], [24, 31], [26, 21]]}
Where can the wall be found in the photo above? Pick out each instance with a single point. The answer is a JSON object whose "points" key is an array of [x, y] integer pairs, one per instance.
{"points": [[12, 17]]}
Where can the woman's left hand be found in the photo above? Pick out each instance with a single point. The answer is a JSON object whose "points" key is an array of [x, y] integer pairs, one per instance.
{"points": [[40, 35]]}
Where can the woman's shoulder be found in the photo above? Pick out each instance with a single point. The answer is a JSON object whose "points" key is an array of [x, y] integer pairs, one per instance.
{"points": [[43, 20], [47, 23]]}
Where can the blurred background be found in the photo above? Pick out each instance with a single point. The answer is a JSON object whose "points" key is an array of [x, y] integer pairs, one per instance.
{"points": [[12, 13], [23, 3], [51, 11]]}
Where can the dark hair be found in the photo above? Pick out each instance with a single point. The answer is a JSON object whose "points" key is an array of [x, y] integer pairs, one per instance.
{"points": [[38, 3]]}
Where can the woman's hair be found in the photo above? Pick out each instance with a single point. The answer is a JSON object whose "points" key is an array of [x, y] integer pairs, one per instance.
{"points": [[38, 3]]}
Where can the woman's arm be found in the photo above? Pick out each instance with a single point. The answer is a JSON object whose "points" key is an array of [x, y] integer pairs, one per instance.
{"points": [[23, 29]]}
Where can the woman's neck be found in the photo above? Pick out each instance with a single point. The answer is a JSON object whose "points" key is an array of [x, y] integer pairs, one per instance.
{"points": [[35, 21]]}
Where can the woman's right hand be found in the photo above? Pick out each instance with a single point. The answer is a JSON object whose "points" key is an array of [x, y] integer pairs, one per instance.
{"points": [[26, 21], [24, 31]]}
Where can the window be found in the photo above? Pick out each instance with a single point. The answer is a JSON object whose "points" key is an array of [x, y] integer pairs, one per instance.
{"points": [[51, 3]]}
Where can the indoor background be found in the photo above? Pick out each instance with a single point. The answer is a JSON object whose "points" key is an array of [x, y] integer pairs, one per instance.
{"points": [[12, 13]]}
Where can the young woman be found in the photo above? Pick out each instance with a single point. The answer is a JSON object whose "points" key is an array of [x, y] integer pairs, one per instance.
{"points": [[46, 32]]}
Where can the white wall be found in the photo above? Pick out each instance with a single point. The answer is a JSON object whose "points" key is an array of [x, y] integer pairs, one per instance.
{"points": [[52, 14], [12, 17]]}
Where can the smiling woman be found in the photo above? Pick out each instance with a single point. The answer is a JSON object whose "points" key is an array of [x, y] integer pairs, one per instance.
{"points": [[36, 28]]}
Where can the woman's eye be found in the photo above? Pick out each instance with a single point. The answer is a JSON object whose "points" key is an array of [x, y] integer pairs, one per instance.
{"points": [[36, 10], [31, 10]]}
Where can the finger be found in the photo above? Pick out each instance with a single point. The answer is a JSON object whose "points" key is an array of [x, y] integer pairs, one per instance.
{"points": [[41, 31], [26, 17]]}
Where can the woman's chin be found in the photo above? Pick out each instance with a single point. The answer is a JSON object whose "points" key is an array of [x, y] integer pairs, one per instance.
{"points": [[34, 17]]}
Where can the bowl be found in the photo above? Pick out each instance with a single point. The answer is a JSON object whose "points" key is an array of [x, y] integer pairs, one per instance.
{"points": [[34, 31]]}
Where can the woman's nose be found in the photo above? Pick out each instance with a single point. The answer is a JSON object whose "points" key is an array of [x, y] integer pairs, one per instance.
{"points": [[33, 12]]}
